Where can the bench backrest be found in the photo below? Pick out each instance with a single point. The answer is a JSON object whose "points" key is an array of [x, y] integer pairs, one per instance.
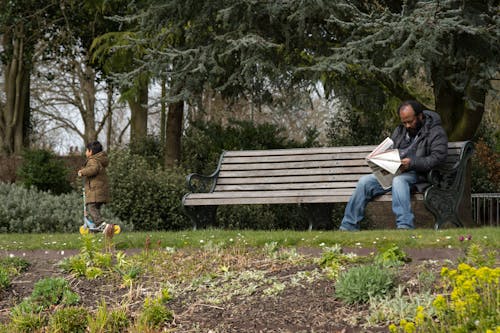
{"points": [[300, 169]]}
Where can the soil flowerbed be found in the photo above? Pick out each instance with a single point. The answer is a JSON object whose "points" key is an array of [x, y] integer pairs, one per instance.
{"points": [[226, 290]]}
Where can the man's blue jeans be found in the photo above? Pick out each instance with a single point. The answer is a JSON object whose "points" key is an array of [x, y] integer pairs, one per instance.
{"points": [[368, 187]]}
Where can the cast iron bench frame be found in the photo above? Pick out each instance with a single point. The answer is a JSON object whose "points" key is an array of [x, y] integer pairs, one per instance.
{"points": [[315, 178]]}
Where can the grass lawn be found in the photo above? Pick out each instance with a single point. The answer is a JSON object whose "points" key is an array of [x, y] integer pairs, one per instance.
{"points": [[488, 237]]}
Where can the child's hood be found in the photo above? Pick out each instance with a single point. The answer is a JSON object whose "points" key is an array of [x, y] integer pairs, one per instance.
{"points": [[102, 158]]}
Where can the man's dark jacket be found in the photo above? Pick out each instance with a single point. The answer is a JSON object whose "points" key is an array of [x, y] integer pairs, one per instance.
{"points": [[431, 144]]}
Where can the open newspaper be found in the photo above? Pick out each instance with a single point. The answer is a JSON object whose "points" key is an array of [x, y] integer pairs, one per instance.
{"points": [[384, 162]]}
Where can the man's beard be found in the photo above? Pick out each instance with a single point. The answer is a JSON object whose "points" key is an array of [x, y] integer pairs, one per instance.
{"points": [[414, 131]]}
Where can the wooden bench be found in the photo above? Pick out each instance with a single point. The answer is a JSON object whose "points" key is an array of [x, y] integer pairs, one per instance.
{"points": [[314, 178]]}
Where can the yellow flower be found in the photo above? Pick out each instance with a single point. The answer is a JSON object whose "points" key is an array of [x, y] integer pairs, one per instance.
{"points": [[410, 327], [460, 307], [393, 328], [463, 267], [440, 303], [420, 316]]}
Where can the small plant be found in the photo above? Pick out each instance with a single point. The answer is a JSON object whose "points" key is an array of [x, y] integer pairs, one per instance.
{"points": [[390, 309], [14, 264], [103, 260], [109, 321], [426, 280], [90, 262], [93, 272], [475, 255], [53, 291], [130, 274], [391, 257], [10, 267], [276, 288], [360, 283], [154, 314], [4, 278], [76, 265], [26, 322], [89, 248], [333, 260], [68, 320]]}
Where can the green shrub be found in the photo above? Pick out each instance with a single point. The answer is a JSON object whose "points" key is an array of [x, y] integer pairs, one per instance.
{"points": [[68, 320], [262, 217], [352, 126], [32, 211], [360, 283], [205, 141], [150, 148], [145, 196], [29, 210], [485, 169], [42, 169]]}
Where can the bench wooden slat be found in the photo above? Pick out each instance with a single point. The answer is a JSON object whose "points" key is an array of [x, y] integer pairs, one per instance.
{"points": [[284, 186], [295, 172], [263, 201], [273, 194], [312, 151], [274, 180], [295, 158], [194, 201], [292, 165], [299, 151]]}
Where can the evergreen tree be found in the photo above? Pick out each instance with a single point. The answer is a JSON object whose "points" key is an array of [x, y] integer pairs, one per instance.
{"points": [[452, 45]]}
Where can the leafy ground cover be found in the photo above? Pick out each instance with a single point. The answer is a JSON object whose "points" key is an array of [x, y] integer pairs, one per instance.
{"points": [[229, 281]]}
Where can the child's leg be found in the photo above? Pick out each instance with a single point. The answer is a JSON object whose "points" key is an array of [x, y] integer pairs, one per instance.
{"points": [[94, 209]]}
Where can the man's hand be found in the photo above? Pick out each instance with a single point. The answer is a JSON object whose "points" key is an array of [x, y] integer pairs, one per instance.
{"points": [[79, 173], [405, 163]]}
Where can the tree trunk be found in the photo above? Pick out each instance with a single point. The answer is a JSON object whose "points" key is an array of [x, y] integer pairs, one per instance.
{"points": [[139, 114], [14, 117], [110, 116], [87, 79], [174, 132], [163, 113], [460, 119]]}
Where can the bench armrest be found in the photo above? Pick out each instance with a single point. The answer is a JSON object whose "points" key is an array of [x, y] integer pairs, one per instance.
{"points": [[197, 183], [443, 177], [451, 177]]}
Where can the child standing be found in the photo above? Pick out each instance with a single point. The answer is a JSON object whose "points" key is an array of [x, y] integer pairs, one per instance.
{"points": [[96, 182]]}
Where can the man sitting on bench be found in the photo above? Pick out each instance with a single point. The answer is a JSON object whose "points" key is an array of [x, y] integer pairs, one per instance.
{"points": [[422, 145]]}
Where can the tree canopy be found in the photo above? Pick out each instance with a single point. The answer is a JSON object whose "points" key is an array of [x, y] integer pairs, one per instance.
{"points": [[245, 46]]}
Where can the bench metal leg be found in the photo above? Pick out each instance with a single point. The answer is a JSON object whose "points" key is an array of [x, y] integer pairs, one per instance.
{"points": [[319, 215], [202, 216], [444, 206]]}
